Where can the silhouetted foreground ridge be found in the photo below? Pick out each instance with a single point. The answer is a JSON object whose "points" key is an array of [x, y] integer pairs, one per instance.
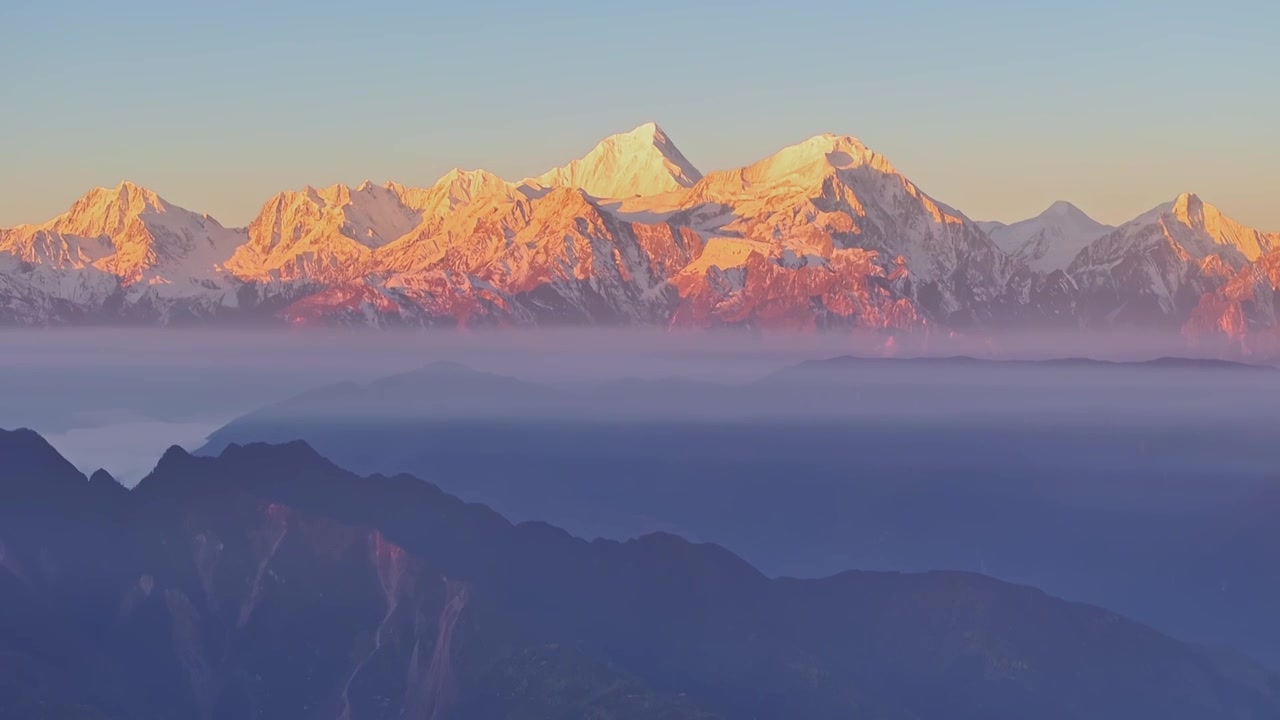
{"points": [[269, 583]]}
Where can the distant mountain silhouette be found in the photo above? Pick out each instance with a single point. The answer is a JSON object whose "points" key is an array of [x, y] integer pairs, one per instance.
{"points": [[269, 583], [965, 360], [1127, 485]]}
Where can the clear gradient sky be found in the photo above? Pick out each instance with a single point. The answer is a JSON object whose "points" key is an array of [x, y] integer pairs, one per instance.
{"points": [[997, 107]]}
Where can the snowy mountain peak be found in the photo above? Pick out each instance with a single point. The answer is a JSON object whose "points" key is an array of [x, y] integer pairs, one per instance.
{"points": [[812, 160], [129, 213], [334, 195], [1062, 208], [1190, 209], [799, 170], [641, 138], [1051, 240], [337, 198], [453, 190], [1187, 228], [326, 232], [841, 151], [648, 132], [131, 233], [643, 161], [831, 193], [404, 192], [1182, 209], [103, 211], [1208, 221], [131, 193], [831, 142], [473, 179]]}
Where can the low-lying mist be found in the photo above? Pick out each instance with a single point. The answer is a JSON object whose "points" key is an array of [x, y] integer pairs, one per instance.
{"points": [[115, 397]]}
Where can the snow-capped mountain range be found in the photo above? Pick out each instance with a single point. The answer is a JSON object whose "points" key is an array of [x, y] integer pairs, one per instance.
{"points": [[822, 234], [1050, 240]]}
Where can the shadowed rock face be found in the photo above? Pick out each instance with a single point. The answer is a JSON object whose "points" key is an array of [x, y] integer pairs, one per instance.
{"points": [[267, 583]]}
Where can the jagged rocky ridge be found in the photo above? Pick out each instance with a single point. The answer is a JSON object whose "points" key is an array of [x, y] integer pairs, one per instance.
{"points": [[824, 233], [267, 583]]}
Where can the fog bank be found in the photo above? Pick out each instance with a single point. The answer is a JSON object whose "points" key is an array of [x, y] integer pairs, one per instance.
{"points": [[116, 397]]}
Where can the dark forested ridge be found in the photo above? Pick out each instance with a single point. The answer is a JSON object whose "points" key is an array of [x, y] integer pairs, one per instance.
{"points": [[268, 583]]}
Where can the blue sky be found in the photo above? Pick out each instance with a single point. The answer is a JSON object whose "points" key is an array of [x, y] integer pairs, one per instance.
{"points": [[994, 106]]}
